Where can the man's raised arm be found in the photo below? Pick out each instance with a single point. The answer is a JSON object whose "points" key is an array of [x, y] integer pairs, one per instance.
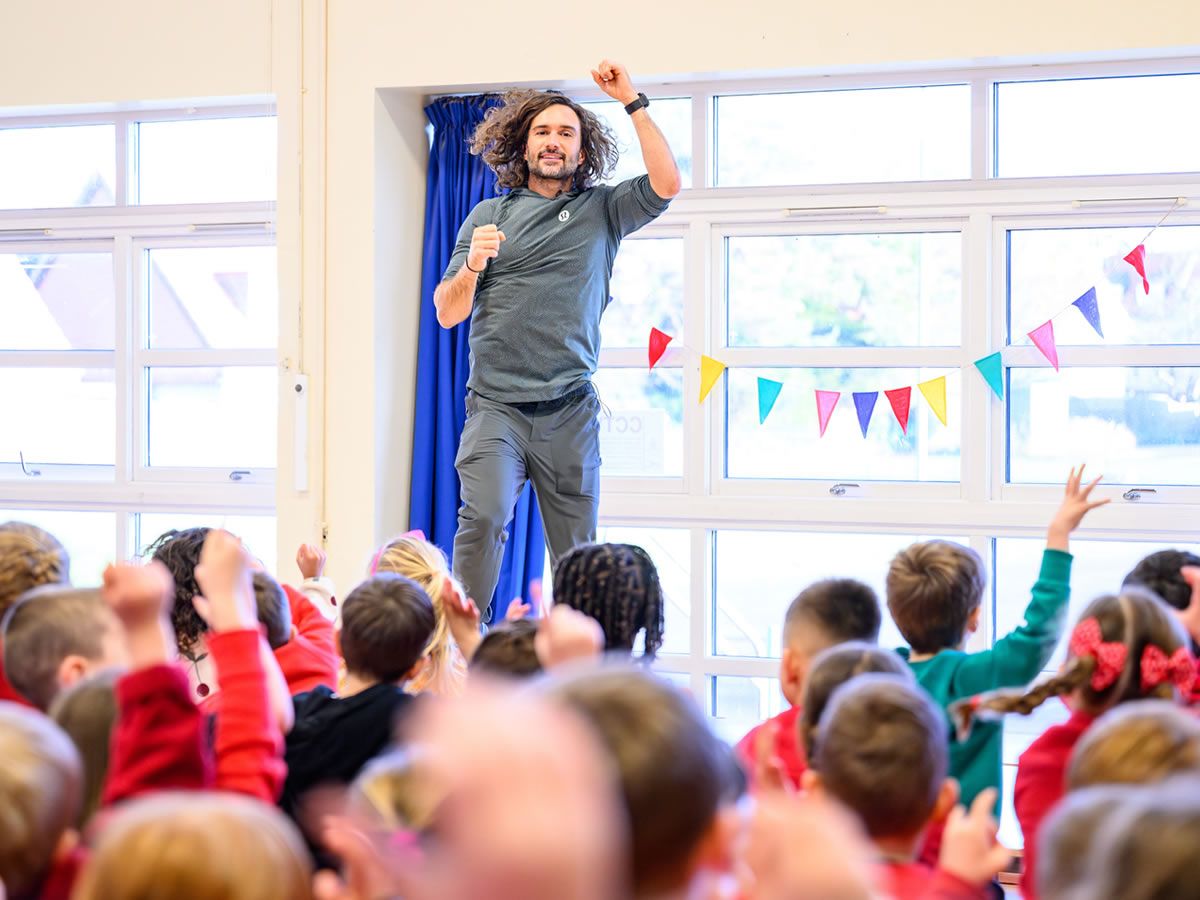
{"points": [[613, 79]]}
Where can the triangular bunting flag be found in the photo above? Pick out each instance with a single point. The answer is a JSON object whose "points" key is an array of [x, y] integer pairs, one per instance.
{"points": [[826, 401], [934, 392], [1137, 258], [991, 367], [658, 345], [1043, 338], [900, 398], [864, 405], [768, 393], [710, 371], [1087, 305]]}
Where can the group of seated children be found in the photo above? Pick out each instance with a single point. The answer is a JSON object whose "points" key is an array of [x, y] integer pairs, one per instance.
{"points": [[196, 729]]}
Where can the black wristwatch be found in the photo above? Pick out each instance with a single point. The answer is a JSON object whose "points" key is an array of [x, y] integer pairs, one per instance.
{"points": [[640, 103]]}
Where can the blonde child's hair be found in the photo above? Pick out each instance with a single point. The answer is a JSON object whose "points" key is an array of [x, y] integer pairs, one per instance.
{"points": [[1137, 743], [395, 792], [40, 787], [198, 846], [423, 562], [29, 557]]}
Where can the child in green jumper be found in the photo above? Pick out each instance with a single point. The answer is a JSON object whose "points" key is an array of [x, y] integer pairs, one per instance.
{"points": [[934, 590]]}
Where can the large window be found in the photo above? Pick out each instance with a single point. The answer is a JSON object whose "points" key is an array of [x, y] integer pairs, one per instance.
{"points": [[868, 238], [139, 311]]}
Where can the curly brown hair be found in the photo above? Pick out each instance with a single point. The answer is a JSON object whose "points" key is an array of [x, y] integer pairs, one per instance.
{"points": [[502, 136]]}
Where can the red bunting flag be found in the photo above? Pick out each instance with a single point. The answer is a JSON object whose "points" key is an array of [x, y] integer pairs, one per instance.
{"points": [[1043, 339], [826, 401], [658, 345], [1137, 258], [900, 398]]}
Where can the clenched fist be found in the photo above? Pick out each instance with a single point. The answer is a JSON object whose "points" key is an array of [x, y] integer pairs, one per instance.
{"points": [[485, 245]]}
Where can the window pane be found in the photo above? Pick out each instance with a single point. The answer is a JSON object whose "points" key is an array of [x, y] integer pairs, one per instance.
{"points": [[844, 290], [56, 301], [1098, 126], [207, 160], [1133, 425], [1049, 268], [90, 538], [789, 444], [752, 599], [646, 292], [826, 137], [216, 417], [673, 116], [1099, 568], [739, 703], [224, 297], [58, 416], [66, 165], [641, 425], [258, 533]]}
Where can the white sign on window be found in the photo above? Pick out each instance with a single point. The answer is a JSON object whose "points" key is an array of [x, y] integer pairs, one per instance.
{"points": [[631, 442]]}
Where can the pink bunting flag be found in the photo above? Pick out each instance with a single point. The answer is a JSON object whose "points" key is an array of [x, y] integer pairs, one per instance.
{"points": [[901, 399], [826, 401], [1137, 258], [1043, 339], [658, 345]]}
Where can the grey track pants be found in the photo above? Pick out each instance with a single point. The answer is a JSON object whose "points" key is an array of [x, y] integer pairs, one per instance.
{"points": [[556, 445]]}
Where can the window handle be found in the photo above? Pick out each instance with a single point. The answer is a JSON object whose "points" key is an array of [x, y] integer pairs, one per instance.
{"points": [[32, 473], [1135, 494], [839, 489], [238, 474]]}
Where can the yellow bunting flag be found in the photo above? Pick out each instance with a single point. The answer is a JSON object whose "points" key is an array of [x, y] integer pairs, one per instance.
{"points": [[710, 371], [934, 392]]}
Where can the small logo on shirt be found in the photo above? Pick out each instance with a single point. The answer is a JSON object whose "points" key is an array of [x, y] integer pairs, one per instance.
{"points": [[564, 215]]}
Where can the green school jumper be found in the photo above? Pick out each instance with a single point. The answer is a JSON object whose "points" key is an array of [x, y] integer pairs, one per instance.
{"points": [[1014, 661]]}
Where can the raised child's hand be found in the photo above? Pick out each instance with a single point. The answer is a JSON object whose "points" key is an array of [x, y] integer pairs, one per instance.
{"points": [[969, 847], [566, 635], [141, 598], [311, 560], [223, 574], [1076, 504]]}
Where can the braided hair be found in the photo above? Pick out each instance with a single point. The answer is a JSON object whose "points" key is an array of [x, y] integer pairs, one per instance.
{"points": [[29, 558], [179, 550], [617, 585]]}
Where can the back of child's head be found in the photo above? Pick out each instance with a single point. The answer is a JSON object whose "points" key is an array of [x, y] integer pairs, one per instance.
{"points": [[1066, 838], [179, 550], [274, 613], [197, 846], [87, 712], [932, 589], [1147, 848], [29, 558], [394, 792], [837, 609], [1160, 573], [386, 624], [675, 774], [1125, 647], [50, 626], [40, 786], [617, 585], [882, 751], [508, 651], [1141, 742], [414, 557], [834, 667]]}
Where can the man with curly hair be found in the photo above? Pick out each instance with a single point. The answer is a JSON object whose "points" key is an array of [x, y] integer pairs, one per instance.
{"points": [[531, 271]]}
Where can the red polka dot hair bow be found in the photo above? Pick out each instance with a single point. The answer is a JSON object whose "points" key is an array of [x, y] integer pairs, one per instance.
{"points": [[1157, 668], [1088, 641]]}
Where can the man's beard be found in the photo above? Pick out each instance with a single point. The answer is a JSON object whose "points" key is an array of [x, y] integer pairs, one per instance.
{"points": [[565, 171]]}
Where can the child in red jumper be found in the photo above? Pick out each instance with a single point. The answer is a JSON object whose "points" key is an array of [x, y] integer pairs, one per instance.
{"points": [[881, 750], [29, 558], [823, 615], [1124, 648], [299, 635]]}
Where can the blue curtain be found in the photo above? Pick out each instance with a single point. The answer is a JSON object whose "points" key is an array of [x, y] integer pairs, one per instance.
{"points": [[457, 181]]}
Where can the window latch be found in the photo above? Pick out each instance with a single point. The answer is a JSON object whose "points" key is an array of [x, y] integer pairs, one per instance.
{"points": [[839, 490], [31, 473], [1133, 495], [238, 474]]}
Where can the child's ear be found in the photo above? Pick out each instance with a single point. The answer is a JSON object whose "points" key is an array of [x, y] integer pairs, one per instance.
{"points": [[66, 845], [72, 669], [791, 675], [947, 799], [810, 783], [973, 619], [716, 849], [416, 668]]}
